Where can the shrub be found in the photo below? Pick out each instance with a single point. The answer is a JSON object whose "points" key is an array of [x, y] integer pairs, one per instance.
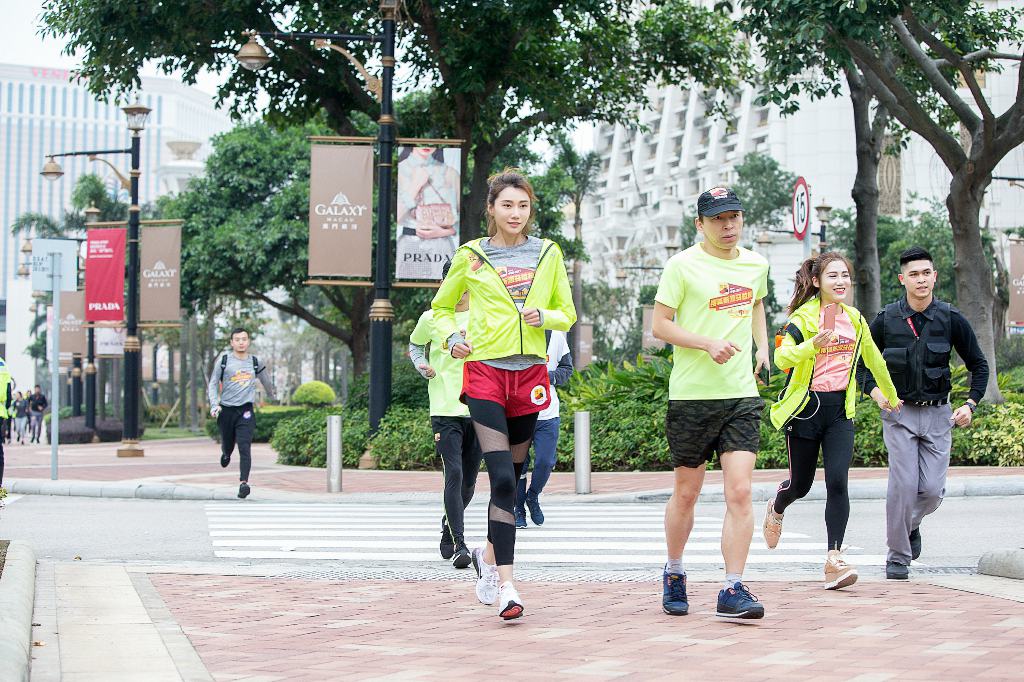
{"points": [[314, 394], [74, 431], [302, 440], [405, 440], [408, 388], [109, 430], [156, 414], [1000, 435], [267, 419]]}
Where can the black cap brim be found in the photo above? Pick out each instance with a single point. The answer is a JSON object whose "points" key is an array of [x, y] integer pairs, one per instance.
{"points": [[732, 205]]}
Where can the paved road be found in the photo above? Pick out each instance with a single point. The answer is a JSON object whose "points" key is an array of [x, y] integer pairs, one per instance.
{"points": [[607, 537]]}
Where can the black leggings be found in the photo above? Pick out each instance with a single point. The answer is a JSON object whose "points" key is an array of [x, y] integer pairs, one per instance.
{"points": [[823, 426], [505, 442], [455, 440], [237, 425]]}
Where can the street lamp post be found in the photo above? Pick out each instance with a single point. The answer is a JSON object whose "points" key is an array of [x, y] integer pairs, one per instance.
{"points": [[137, 115], [253, 56], [92, 214], [824, 212]]}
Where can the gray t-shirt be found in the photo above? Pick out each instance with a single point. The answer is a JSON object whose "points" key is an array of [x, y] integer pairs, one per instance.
{"points": [[239, 386], [516, 265]]}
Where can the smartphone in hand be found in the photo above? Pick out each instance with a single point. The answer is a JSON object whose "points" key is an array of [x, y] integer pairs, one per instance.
{"points": [[765, 375], [830, 317]]}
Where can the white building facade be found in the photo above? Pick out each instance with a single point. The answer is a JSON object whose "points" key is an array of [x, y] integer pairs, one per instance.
{"points": [[650, 180], [47, 111]]}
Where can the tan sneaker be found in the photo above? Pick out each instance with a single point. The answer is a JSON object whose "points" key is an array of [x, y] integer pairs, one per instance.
{"points": [[772, 528], [838, 573]]}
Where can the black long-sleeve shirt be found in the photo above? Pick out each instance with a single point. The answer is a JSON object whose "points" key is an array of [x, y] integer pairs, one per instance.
{"points": [[963, 340]]}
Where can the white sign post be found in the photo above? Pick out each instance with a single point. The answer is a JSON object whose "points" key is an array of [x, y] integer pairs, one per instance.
{"points": [[802, 214], [55, 267]]}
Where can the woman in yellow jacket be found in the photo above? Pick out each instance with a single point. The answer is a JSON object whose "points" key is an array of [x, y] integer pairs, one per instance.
{"points": [[822, 344], [519, 288]]}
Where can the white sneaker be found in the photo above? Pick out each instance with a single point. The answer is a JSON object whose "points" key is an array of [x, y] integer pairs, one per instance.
{"points": [[509, 604], [487, 578]]}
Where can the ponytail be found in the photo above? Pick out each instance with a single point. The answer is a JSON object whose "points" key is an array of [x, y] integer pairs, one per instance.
{"points": [[809, 270]]}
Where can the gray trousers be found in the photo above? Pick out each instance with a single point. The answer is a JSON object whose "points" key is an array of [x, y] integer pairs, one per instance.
{"points": [[918, 440]]}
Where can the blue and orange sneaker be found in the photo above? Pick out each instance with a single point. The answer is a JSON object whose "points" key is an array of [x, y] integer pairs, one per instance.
{"points": [[673, 594], [737, 602]]}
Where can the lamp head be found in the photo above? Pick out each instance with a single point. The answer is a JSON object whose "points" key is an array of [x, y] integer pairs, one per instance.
{"points": [[26, 248], [52, 170], [137, 114], [23, 271], [824, 212], [252, 55], [92, 215]]}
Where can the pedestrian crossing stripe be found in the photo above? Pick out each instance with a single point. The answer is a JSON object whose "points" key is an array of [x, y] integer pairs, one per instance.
{"points": [[615, 535]]}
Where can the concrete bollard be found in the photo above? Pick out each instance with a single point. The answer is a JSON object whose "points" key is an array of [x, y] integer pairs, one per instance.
{"points": [[581, 454], [334, 453]]}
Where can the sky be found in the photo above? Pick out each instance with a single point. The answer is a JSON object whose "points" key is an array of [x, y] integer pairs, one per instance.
{"points": [[23, 45]]}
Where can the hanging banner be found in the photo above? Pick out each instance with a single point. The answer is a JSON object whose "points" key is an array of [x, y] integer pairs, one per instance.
{"points": [[340, 213], [1015, 313], [73, 338], [160, 285], [586, 332], [428, 210], [104, 274], [110, 341]]}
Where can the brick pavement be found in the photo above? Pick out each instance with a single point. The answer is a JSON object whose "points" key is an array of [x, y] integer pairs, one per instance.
{"points": [[247, 628], [195, 462]]}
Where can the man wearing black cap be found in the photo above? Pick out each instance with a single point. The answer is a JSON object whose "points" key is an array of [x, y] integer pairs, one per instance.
{"points": [[916, 335], [709, 307]]}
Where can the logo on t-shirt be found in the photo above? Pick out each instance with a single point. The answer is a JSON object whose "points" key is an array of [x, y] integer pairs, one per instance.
{"points": [[241, 376], [838, 345], [517, 280], [731, 296]]}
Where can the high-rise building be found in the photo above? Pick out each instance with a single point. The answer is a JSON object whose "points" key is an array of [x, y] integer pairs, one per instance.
{"points": [[47, 111]]}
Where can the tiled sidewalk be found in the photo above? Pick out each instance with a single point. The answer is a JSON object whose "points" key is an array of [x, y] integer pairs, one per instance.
{"points": [[195, 462], [247, 628]]}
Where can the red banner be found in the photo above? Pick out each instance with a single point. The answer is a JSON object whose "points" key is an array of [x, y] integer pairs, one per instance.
{"points": [[104, 275]]}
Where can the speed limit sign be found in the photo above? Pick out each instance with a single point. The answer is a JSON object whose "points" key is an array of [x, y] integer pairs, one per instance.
{"points": [[801, 208]]}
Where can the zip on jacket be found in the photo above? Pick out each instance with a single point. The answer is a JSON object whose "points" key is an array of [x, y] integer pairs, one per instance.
{"points": [[496, 327], [800, 357]]}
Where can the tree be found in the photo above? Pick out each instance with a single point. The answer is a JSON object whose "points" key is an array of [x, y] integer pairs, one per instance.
{"points": [[765, 189], [495, 70], [918, 59]]}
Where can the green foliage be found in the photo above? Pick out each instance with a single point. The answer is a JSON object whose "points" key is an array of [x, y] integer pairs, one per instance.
{"points": [[405, 440], [1000, 435], [302, 440], [408, 389], [314, 394], [765, 189], [616, 318]]}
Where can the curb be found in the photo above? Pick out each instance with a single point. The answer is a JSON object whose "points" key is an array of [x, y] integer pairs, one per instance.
{"points": [[17, 594], [1004, 563], [118, 489]]}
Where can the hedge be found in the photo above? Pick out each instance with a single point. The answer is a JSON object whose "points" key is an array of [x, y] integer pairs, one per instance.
{"points": [[314, 394], [302, 440]]}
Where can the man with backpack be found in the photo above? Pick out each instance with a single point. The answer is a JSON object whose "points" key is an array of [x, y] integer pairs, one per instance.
{"points": [[232, 393]]}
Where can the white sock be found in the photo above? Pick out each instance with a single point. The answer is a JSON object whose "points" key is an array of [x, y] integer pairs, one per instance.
{"points": [[731, 579], [675, 566]]}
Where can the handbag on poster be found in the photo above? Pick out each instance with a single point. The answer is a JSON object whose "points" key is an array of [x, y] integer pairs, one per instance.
{"points": [[439, 214]]}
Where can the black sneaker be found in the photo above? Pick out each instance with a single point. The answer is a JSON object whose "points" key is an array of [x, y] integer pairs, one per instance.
{"points": [[673, 594], [447, 545], [915, 543], [520, 514], [461, 557], [225, 459], [737, 602], [243, 490], [894, 570], [536, 515]]}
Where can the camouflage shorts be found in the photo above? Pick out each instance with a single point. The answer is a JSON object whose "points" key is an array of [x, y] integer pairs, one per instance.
{"points": [[697, 429]]}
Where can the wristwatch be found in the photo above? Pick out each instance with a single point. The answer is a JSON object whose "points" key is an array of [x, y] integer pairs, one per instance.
{"points": [[972, 406]]}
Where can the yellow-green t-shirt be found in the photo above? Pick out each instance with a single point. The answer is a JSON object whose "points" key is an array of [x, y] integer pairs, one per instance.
{"points": [[713, 297], [446, 386]]}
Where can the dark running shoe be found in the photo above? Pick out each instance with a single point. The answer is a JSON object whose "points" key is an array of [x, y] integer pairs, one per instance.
{"points": [[447, 545], [225, 459], [673, 594], [461, 557], [536, 515], [520, 514], [894, 570], [737, 602], [243, 490], [915, 543]]}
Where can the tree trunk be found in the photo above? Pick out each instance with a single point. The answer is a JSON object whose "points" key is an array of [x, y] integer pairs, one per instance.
{"points": [[359, 321], [870, 136], [577, 286], [172, 382], [183, 404], [117, 387], [102, 373], [975, 296], [193, 369], [475, 206]]}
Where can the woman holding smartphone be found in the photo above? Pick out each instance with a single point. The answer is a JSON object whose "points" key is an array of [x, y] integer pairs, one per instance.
{"points": [[519, 288], [822, 343]]}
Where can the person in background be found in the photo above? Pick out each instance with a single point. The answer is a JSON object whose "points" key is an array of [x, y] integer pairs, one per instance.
{"points": [[37, 405], [545, 436], [20, 408]]}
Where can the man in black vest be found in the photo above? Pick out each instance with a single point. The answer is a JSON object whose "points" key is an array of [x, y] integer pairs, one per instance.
{"points": [[916, 335]]}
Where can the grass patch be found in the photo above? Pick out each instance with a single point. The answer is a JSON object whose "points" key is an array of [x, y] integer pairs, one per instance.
{"points": [[153, 433], [3, 554]]}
